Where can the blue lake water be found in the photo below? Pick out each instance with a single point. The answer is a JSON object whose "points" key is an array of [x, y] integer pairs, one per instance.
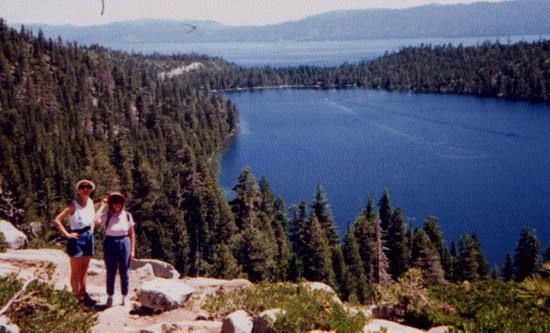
{"points": [[294, 53], [481, 165]]}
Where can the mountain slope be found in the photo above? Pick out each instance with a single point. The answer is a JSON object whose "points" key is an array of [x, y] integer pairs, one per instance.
{"points": [[478, 19]]}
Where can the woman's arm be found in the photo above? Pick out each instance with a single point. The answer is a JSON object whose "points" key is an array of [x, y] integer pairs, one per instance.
{"points": [[132, 234], [58, 222], [99, 212]]}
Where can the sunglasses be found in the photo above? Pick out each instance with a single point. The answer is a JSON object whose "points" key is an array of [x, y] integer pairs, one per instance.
{"points": [[81, 187]]}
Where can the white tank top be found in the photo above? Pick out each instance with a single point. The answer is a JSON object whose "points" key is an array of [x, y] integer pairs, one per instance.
{"points": [[83, 216]]}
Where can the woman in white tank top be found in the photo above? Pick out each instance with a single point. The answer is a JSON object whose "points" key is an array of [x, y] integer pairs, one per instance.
{"points": [[80, 246]]}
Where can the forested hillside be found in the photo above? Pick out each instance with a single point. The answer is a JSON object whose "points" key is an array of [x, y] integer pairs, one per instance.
{"points": [[68, 112], [516, 71]]}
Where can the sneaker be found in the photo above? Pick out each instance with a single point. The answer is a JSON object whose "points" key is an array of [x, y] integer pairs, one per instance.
{"points": [[109, 302]]}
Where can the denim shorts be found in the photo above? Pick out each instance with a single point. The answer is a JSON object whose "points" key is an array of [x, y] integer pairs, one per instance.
{"points": [[83, 246]]}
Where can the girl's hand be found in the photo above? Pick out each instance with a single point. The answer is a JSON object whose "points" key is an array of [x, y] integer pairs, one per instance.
{"points": [[132, 256]]}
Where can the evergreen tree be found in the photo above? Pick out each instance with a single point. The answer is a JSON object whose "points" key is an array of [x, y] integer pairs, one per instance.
{"points": [[370, 211], [356, 281], [453, 263], [432, 229], [426, 258], [526, 258], [255, 253], [317, 259], [398, 248], [546, 256], [507, 271], [385, 211], [467, 267], [380, 263], [245, 206], [321, 208], [224, 264], [483, 265]]}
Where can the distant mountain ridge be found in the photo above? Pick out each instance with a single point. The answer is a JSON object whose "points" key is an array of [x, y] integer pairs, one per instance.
{"points": [[520, 17]]}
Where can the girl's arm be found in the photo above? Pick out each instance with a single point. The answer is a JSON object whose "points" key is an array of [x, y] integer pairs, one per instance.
{"points": [[58, 221], [99, 212]]}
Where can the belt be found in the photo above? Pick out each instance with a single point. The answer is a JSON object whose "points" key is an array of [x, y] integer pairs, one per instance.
{"points": [[81, 231], [116, 237]]}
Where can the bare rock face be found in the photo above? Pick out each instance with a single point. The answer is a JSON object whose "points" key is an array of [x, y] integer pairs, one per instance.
{"points": [[265, 320], [237, 322], [211, 285], [183, 326], [323, 287], [440, 329], [6, 326], [160, 268], [96, 267], [34, 260], [163, 294], [380, 325], [15, 238]]}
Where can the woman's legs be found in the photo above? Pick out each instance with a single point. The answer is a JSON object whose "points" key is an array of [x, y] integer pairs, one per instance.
{"points": [[75, 275], [83, 270], [124, 264], [110, 257]]}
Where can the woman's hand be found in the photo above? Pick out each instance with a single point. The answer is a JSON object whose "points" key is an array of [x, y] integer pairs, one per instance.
{"points": [[72, 235], [132, 255]]}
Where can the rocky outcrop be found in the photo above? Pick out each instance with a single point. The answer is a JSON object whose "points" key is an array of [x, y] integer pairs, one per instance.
{"points": [[48, 264], [237, 322], [160, 268], [183, 326], [15, 238], [163, 294], [322, 287], [6, 326]]}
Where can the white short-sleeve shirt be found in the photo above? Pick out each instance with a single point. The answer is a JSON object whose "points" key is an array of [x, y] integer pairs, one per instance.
{"points": [[119, 223]]}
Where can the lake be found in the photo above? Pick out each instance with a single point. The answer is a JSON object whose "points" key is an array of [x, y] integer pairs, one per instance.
{"points": [[294, 53], [481, 165]]}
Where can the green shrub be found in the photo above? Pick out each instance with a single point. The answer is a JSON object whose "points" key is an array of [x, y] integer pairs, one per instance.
{"points": [[43, 309], [3, 243], [495, 306], [304, 309]]}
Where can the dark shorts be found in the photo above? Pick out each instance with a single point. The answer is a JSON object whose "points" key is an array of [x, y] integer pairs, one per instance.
{"points": [[81, 247]]}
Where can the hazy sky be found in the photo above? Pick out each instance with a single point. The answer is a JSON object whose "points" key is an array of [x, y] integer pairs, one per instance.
{"points": [[234, 12]]}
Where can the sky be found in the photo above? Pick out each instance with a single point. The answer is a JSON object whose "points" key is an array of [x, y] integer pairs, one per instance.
{"points": [[231, 12]]}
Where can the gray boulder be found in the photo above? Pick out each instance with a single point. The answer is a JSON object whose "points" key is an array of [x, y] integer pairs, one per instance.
{"points": [[15, 238], [237, 322], [163, 294], [6, 326], [160, 268]]}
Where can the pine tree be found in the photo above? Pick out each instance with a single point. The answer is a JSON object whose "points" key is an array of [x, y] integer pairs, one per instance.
{"points": [[385, 210], [321, 208], [546, 256], [526, 258], [507, 270], [317, 259], [398, 248], [255, 253], [247, 200], [432, 229], [483, 265], [356, 281], [224, 264], [426, 258], [370, 211], [468, 259], [380, 262], [453, 261]]}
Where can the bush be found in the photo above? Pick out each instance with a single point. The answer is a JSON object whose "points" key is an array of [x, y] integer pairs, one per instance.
{"points": [[305, 309], [496, 306], [43, 309]]}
